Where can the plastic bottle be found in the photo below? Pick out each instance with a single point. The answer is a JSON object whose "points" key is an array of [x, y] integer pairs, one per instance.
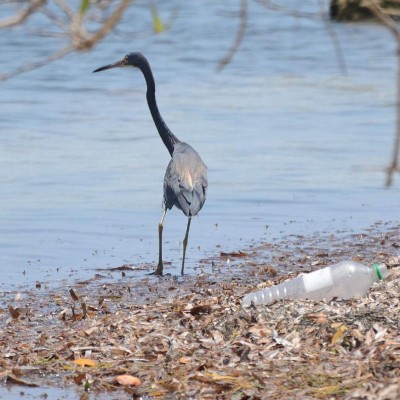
{"points": [[344, 280]]}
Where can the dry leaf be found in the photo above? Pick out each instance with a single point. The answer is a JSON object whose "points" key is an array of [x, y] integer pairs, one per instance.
{"points": [[85, 362], [235, 254], [73, 295], [15, 313], [339, 334], [43, 339], [78, 379], [184, 360], [16, 380], [200, 310], [319, 318], [128, 380]]}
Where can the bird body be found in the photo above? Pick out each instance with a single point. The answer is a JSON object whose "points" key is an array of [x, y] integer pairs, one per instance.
{"points": [[185, 180]]}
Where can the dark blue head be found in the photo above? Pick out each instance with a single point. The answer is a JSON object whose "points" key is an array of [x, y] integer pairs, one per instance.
{"points": [[134, 59]]}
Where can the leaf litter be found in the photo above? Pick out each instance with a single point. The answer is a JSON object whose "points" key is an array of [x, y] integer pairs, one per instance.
{"points": [[190, 338]]}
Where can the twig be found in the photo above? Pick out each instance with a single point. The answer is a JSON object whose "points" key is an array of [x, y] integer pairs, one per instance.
{"points": [[294, 13], [80, 40], [30, 67], [63, 24], [393, 27], [313, 16], [65, 8], [394, 165], [335, 40], [23, 15], [386, 20], [108, 25], [239, 36]]}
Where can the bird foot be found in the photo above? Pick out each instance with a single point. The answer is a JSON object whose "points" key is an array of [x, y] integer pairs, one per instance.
{"points": [[158, 271]]}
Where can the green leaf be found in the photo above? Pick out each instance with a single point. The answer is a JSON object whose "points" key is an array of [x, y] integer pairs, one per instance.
{"points": [[158, 25], [84, 6]]}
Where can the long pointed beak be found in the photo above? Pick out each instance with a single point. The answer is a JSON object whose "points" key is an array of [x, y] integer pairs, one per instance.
{"points": [[117, 64]]}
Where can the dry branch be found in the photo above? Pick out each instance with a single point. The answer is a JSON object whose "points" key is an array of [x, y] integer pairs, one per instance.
{"points": [[395, 30], [288, 11], [312, 16], [74, 28], [335, 40], [239, 36], [107, 26], [30, 67], [23, 15]]}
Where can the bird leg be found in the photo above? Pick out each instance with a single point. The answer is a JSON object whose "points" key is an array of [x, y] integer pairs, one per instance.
{"points": [[185, 242], [159, 270]]}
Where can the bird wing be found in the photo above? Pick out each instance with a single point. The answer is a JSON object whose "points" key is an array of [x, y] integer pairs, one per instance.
{"points": [[185, 181]]}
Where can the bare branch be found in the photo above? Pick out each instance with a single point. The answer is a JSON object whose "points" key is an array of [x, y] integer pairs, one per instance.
{"points": [[81, 40], [313, 16], [335, 40], [23, 15], [294, 13], [381, 16], [30, 67], [63, 24], [239, 36], [65, 8], [394, 28], [108, 25]]}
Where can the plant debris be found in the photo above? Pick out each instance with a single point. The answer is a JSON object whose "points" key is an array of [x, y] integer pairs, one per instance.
{"points": [[190, 338]]}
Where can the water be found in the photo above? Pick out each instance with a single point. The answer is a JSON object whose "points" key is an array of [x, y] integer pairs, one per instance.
{"points": [[290, 142]]}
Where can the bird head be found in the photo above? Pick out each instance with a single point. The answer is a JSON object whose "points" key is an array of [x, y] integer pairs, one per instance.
{"points": [[132, 59]]}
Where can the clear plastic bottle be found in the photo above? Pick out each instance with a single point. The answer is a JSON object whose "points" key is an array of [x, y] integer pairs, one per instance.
{"points": [[344, 280]]}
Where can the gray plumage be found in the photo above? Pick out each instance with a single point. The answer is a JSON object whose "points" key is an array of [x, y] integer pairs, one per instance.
{"points": [[185, 181]]}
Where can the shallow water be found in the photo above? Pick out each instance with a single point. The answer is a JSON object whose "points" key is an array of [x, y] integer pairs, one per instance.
{"points": [[292, 145]]}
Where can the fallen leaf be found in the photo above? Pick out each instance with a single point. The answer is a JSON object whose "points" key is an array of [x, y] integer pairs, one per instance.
{"points": [[78, 379], [15, 313], [184, 360], [14, 379], [339, 334], [43, 339], [85, 362], [200, 310], [235, 254], [128, 380], [73, 295], [319, 318], [270, 270]]}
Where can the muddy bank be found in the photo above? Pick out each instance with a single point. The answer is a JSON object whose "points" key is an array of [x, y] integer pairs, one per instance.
{"points": [[188, 337]]}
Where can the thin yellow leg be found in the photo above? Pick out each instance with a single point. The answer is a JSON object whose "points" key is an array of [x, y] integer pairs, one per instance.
{"points": [[185, 242], [160, 267]]}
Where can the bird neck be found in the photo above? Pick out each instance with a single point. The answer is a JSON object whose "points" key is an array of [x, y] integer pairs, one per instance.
{"points": [[166, 135]]}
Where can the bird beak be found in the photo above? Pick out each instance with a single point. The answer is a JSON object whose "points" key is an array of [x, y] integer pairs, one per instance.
{"points": [[121, 63]]}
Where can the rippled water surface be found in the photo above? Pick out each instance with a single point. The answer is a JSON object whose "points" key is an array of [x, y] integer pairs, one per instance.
{"points": [[292, 145]]}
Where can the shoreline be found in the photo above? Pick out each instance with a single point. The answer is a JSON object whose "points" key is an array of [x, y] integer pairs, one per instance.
{"points": [[188, 337]]}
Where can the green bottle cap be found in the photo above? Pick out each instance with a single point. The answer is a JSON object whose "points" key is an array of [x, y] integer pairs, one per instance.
{"points": [[378, 271]]}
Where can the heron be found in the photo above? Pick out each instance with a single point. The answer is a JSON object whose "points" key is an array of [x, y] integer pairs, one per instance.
{"points": [[185, 180]]}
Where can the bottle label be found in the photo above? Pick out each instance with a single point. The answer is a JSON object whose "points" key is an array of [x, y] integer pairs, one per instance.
{"points": [[317, 280]]}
